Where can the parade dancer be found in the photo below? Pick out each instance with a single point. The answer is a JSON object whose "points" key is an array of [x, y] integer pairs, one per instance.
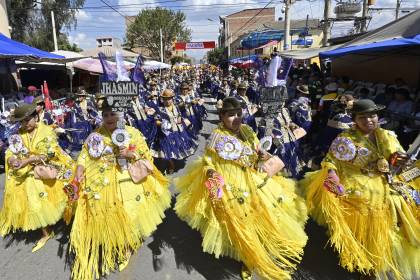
{"points": [[248, 108], [372, 216], [36, 171], [300, 109], [187, 108], [80, 121], [242, 209], [143, 119], [285, 135], [122, 199], [173, 140]]}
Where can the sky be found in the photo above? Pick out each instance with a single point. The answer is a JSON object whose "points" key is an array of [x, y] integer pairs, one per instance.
{"points": [[96, 19]]}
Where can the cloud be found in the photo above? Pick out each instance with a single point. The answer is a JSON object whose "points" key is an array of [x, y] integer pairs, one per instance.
{"points": [[81, 15], [82, 40]]}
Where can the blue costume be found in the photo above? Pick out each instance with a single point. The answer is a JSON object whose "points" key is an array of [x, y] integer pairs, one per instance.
{"points": [[285, 145], [253, 93], [338, 121], [80, 122], [247, 114], [139, 118], [300, 112], [173, 140]]}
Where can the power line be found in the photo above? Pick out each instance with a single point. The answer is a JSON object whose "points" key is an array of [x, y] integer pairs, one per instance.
{"points": [[129, 19], [259, 12]]}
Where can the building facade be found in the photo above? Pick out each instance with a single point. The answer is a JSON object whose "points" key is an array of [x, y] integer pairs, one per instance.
{"points": [[235, 25]]}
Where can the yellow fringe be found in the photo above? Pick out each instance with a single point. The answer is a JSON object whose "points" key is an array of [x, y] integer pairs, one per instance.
{"points": [[263, 233], [31, 204], [366, 237], [105, 229]]}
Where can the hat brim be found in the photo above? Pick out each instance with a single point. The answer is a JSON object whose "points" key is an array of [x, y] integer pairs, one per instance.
{"points": [[27, 114], [378, 108]]}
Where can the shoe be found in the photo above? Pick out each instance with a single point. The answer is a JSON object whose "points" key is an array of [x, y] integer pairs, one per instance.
{"points": [[41, 243], [246, 274]]}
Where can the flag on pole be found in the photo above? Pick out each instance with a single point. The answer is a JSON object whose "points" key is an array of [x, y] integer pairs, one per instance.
{"points": [[138, 74], [47, 99], [108, 73]]}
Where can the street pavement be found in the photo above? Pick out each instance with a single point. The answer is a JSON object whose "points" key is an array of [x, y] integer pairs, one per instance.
{"points": [[173, 252]]}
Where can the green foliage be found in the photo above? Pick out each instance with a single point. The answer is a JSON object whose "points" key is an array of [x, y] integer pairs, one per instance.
{"points": [[31, 21], [144, 30], [216, 56]]}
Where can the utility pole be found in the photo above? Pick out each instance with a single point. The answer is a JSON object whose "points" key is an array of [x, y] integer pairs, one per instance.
{"points": [[54, 32], [397, 9], [326, 31], [286, 25], [161, 45], [363, 27]]}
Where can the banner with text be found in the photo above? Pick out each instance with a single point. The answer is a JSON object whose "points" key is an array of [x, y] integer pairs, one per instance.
{"points": [[195, 45]]}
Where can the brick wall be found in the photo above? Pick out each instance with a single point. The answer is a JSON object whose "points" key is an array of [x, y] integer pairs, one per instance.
{"points": [[237, 20]]}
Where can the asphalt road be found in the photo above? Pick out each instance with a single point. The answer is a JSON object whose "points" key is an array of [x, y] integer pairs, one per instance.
{"points": [[173, 252]]}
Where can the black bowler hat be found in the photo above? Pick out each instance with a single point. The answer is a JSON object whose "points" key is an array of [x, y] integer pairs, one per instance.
{"points": [[22, 112], [230, 104], [363, 106]]}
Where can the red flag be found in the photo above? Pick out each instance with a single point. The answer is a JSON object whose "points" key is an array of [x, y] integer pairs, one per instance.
{"points": [[47, 99]]}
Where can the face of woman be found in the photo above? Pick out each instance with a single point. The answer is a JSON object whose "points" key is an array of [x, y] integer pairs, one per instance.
{"points": [[29, 124], [110, 119], [232, 120], [167, 102], [367, 123], [39, 108]]}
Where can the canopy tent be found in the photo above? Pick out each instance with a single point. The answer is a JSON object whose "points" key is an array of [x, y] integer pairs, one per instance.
{"points": [[260, 38], [382, 55], [372, 47], [399, 33], [305, 53], [16, 50], [94, 65], [152, 65]]}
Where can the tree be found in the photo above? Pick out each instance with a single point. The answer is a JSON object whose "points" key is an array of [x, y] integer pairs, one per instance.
{"points": [[31, 21], [216, 56], [144, 31], [179, 59]]}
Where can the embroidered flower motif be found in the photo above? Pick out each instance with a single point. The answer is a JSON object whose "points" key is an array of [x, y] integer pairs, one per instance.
{"points": [[343, 149], [228, 148], [266, 142], [67, 174], [120, 137], [95, 145], [16, 144], [364, 152]]}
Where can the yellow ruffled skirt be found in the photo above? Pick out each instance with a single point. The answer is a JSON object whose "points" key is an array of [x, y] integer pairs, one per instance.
{"points": [[262, 227], [374, 233], [115, 220], [31, 204]]}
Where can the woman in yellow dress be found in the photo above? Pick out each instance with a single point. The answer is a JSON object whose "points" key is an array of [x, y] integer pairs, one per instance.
{"points": [[371, 215], [241, 211], [114, 214], [32, 200]]}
